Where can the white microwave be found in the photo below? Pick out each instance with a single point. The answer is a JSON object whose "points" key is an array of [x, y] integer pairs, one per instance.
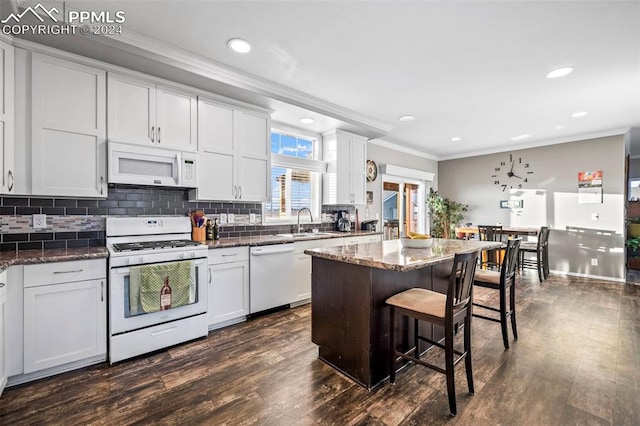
{"points": [[147, 165]]}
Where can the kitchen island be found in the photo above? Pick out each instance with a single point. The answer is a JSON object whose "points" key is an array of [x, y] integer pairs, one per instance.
{"points": [[349, 317]]}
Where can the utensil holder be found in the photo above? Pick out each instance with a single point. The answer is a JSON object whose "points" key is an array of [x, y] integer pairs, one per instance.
{"points": [[198, 234]]}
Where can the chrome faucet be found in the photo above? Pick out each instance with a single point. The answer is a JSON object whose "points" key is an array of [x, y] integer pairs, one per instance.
{"points": [[310, 217]]}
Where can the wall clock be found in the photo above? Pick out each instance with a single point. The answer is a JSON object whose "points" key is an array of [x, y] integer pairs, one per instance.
{"points": [[512, 173], [372, 170]]}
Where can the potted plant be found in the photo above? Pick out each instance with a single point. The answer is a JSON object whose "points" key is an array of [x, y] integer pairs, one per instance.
{"points": [[633, 246], [445, 213], [634, 226]]}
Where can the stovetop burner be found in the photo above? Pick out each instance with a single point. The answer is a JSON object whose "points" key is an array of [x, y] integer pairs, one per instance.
{"points": [[154, 245]]}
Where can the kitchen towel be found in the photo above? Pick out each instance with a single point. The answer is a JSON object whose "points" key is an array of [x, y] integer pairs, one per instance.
{"points": [[146, 281]]}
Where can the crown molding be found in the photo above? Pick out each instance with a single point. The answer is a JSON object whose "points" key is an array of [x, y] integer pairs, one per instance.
{"points": [[406, 150], [546, 142]]}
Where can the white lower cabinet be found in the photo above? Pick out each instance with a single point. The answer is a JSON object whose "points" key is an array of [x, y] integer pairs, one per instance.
{"points": [[3, 330], [363, 239], [228, 286], [303, 269], [65, 315]]}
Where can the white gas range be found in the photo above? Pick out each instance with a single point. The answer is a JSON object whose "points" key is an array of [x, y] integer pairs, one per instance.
{"points": [[157, 285]]}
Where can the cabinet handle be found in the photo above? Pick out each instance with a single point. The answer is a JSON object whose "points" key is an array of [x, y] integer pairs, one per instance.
{"points": [[153, 133], [102, 291], [240, 196], [158, 134], [10, 175], [235, 191], [1, 285], [101, 185], [209, 275], [68, 272]]}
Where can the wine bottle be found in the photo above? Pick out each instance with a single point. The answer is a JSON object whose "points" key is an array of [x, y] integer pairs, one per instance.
{"points": [[216, 230], [165, 295]]}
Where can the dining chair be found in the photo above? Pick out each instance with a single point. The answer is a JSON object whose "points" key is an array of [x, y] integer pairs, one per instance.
{"points": [[501, 280], [541, 250], [490, 258], [447, 310]]}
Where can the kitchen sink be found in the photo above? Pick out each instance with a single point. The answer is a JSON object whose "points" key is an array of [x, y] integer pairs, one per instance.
{"points": [[303, 234]]}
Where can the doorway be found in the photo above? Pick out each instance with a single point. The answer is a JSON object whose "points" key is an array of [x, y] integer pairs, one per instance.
{"points": [[403, 207]]}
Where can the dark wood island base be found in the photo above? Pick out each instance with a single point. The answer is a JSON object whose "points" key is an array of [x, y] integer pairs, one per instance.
{"points": [[349, 317]]}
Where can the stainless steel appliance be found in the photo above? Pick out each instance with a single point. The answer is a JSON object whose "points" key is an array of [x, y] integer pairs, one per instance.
{"points": [[369, 225], [147, 255], [343, 224]]}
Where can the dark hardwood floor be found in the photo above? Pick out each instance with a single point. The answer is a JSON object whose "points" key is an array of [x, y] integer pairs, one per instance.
{"points": [[577, 361]]}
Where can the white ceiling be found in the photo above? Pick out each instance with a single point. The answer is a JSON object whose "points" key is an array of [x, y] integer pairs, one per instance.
{"points": [[471, 69]]}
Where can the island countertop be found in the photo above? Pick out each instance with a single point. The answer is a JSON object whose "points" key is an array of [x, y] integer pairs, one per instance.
{"points": [[392, 255]]}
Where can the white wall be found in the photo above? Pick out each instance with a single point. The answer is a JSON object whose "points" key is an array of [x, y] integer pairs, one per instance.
{"points": [[551, 197]]}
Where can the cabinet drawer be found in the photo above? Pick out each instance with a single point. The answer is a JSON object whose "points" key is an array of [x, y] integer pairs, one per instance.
{"points": [[64, 272], [226, 255]]}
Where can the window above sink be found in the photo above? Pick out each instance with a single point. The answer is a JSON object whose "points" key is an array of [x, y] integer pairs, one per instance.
{"points": [[296, 176]]}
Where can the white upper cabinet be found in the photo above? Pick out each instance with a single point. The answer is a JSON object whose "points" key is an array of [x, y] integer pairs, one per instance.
{"points": [[68, 124], [142, 112], [6, 118], [255, 157], [345, 179], [234, 153]]}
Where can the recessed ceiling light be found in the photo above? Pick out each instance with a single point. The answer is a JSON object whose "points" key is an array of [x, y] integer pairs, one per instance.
{"points": [[306, 120], [520, 137], [456, 139], [579, 114], [239, 45], [407, 118], [560, 72]]}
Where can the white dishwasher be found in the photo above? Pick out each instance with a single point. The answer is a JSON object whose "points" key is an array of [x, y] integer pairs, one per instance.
{"points": [[271, 277]]}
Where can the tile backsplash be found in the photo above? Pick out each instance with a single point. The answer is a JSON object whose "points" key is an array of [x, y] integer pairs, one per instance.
{"points": [[81, 222]]}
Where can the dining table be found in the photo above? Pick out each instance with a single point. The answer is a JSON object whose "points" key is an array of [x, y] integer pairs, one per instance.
{"points": [[465, 232]]}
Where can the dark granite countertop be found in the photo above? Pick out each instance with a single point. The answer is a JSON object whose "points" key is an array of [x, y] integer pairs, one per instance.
{"points": [[29, 257], [393, 256], [263, 240]]}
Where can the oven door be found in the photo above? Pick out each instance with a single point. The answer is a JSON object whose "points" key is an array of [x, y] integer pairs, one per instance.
{"points": [[136, 293]]}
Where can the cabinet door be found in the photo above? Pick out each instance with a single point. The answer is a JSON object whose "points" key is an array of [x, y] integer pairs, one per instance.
{"points": [[215, 127], [68, 129], [254, 169], [216, 157], [303, 277], [357, 168], [228, 292], [131, 110], [3, 333], [64, 323], [176, 119], [6, 118]]}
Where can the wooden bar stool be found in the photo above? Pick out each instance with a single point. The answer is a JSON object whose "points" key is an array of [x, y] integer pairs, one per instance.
{"points": [[541, 251], [505, 278], [490, 258], [448, 310]]}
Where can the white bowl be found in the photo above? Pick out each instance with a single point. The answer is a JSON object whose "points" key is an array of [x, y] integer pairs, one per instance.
{"points": [[416, 243]]}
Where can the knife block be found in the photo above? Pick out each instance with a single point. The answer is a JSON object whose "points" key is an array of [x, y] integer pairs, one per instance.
{"points": [[199, 234]]}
